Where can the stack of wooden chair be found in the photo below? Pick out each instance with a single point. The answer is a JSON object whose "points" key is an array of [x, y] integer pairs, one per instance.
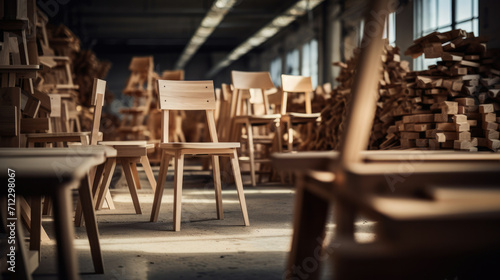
{"points": [[140, 87], [57, 79]]}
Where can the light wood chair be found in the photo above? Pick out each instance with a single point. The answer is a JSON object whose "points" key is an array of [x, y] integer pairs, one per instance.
{"points": [[128, 154], [297, 84], [412, 231], [243, 117], [193, 95]]}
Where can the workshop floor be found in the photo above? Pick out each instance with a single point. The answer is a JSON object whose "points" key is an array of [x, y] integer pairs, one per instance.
{"points": [[205, 248]]}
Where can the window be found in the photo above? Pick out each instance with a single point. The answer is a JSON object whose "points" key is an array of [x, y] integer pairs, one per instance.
{"points": [[298, 62], [292, 63], [310, 61], [389, 29], [441, 16], [275, 71]]}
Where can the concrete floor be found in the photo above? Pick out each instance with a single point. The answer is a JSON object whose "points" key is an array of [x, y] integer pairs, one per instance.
{"points": [[205, 248]]}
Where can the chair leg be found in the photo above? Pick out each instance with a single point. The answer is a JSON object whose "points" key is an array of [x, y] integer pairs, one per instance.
{"points": [[25, 213], [108, 199], [178, 172], [155, 211], [251, 152], [217, 186], [127, 169], [36, 223], [310, 214], [290, 135], [133, 165], [109, 168], [91, 224], [239, 186], [149, 172], [97, 179], [47, 205]]}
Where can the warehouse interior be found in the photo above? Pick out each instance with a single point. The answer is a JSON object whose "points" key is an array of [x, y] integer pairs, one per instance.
{"points": [[341, 139]]}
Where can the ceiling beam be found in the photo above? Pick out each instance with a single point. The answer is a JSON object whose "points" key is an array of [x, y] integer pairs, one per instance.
{"points": [[212, 19], [300, 8]]}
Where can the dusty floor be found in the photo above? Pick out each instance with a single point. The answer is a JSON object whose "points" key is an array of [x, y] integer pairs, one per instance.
{"points": [[205, 248]]}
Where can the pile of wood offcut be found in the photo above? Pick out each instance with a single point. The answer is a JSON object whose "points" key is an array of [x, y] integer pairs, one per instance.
{"points": [[452, 105], [392, 78], [454, 102]]}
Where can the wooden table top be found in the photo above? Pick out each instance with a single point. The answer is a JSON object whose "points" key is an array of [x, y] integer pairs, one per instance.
{"points": [[320, 160], [38, 171]]}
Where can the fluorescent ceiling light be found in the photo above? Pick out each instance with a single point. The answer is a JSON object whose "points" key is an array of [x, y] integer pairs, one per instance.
{"points": [[266, 32], [211, 20]]}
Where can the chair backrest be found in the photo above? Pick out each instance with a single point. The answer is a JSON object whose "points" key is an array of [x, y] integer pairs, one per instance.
{"points": [[98, 91], [141, 76], [187, 95], [250, 80], [177, 75], [361, 108], [224, 121], [296, 84], [141, 64]]}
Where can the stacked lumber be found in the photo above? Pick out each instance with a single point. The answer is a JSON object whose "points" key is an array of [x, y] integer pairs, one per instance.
{"points": [[392, 82], [453, 103]]}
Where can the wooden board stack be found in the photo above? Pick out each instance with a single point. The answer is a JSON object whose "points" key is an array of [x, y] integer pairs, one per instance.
{"points": [[453, 103], [392, 82]]}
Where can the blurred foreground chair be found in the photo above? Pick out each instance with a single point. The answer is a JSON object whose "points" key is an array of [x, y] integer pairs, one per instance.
{"points": [[193, 95], [437, 213]]}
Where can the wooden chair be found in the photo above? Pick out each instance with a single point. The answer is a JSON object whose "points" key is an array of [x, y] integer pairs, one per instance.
{"points": [[140, 87], [128, 154], [245, 118], [297, 84], [224, 121], [193, 95], [410, 229], [174, 75]]}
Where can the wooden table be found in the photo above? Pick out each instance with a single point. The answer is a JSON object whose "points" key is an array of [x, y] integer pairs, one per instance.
{"points": [[54, 173]]}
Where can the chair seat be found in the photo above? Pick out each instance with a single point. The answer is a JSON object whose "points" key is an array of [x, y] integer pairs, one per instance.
{"points": [[129, 148], [135, 128], [301, 117], [128, 144], [448, 204], [60, 135], [259, 139], [132, 110], [257, 118], [57, 134], [200, 145]]}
